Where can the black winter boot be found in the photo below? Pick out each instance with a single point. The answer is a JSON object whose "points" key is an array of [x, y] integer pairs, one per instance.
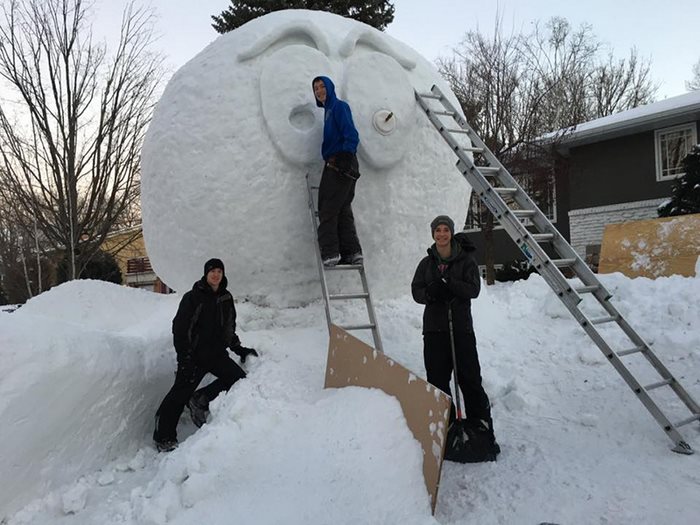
{"points": [[199, 408]]}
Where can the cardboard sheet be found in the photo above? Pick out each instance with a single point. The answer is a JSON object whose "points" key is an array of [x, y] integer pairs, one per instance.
{"points": [[652, 248], [352, 362]]}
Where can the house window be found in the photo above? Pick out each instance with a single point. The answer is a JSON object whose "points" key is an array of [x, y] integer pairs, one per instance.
{"points": [[672, 144]]}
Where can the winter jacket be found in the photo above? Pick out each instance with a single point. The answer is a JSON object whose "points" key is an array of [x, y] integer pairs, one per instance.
{"points": [[463, 281], [205, 323], [339, 132]]}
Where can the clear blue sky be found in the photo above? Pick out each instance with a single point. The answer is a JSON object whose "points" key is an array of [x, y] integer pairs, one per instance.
{"points": [[665, 32]]}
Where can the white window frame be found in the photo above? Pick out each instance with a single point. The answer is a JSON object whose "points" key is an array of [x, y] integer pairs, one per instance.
{"points": [[690, 126]]}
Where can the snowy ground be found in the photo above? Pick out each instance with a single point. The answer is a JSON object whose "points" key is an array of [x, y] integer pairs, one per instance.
{"points": [[85, 365]]}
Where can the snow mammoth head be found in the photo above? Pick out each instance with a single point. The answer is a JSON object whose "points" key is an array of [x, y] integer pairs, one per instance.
{"points": [[237, 129]]}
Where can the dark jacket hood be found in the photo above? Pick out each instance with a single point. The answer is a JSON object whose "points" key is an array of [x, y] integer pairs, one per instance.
{"points": [[331, 97]]}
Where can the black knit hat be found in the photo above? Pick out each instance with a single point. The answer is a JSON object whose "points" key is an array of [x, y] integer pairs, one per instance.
{"points": [[212, 264], [442, 219]]}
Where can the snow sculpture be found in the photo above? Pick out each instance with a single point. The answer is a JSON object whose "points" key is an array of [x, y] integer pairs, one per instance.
{"points": [[237, 129]]}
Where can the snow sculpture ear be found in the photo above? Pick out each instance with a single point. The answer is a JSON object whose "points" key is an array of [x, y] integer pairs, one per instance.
{"points": [[383, 103]]}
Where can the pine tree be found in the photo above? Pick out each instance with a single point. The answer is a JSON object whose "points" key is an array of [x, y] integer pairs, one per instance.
{"points": [[376, 13], [685, 198]]}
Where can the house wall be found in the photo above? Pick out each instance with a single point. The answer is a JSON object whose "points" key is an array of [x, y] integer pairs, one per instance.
{"points": [[612, 181], [615, 171]]}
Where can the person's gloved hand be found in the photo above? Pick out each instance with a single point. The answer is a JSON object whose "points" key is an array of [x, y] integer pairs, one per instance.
{"points": [[243, 352], [343, 161], [439, 290]]}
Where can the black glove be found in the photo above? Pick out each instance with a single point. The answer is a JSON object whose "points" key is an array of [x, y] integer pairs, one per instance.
{"points": [[343, 161], [243, 352], [439, 291]]}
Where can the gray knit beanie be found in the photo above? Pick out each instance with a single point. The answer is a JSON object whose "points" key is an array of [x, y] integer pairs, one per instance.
{"points": [[442, 219]]}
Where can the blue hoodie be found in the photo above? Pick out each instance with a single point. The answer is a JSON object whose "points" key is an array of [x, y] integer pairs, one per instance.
{"points": [[339, 132]]}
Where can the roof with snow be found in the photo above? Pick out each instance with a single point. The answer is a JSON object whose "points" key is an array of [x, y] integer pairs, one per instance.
{"points": [[668, 112]]}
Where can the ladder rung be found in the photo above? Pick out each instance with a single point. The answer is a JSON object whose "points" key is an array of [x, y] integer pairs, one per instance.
{"points": [[634, 350], [563, 263], [429, 95], [523, 213], [358, 327], [341, 296], [457, 130], [445, 113], [488, 171], [506, 191], [473, 149], [543, 237], [339, 267], [587, 289], [601, 320], [659, 384], [682, 422], [314, 187]]}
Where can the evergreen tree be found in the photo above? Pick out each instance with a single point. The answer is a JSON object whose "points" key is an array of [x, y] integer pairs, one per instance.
{"points": [[685, 197], [102, 266], [376, 13]]}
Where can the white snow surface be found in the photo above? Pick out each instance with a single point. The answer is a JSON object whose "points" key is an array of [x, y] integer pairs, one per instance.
{"points": [[85, 365], [237, 130]]}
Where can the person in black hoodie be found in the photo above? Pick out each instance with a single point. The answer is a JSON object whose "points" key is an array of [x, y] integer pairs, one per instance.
{"points": [[448, 277], [204, 326]]}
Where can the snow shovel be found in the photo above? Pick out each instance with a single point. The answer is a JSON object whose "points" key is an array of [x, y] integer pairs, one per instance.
{"points": [[466, 443]]}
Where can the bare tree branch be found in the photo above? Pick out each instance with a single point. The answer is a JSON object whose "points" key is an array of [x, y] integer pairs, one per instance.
{"points": [[70, 154]]}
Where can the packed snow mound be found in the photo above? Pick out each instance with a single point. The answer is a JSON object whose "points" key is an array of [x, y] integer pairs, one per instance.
{"points": [[237, 130], [77, 405], [96, 305]]}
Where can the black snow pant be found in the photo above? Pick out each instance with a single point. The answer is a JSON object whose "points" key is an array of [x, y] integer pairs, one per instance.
{"points": [[336, 228], [187, 378], [437, 355]]}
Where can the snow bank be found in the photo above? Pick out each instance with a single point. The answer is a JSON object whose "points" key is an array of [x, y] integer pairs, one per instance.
{"points": [[578, 447]]}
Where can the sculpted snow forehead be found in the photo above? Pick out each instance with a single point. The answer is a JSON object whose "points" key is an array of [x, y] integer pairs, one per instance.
{"points": [[237, 130]]}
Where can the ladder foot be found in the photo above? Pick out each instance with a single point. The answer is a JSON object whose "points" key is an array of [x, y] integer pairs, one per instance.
{"points": [[682, 448]]}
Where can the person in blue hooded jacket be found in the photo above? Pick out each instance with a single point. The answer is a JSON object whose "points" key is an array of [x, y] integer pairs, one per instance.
{"points": [[337, 237]]}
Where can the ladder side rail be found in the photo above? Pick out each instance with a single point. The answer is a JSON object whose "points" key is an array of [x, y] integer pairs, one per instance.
{"points": [[637, 388], [514, 227], [650, 355], [319, 260], [370, 312]]}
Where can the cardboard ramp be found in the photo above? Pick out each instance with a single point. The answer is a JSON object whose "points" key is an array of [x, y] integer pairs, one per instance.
{"points": [[652, 248], [352, 362]]}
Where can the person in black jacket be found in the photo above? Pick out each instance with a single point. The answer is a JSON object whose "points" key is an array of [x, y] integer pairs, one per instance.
{"points": [[448, 277], [204, 326]]}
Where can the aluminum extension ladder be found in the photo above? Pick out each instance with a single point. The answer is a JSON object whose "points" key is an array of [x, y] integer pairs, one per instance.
{"points": [[492, 182], [327, 297]]}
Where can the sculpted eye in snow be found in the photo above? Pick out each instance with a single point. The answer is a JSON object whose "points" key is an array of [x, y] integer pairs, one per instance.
{"points": [[293, 121], [303, 117], [383, 106]]}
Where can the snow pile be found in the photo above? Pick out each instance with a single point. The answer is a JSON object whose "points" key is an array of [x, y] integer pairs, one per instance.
{"points": [[237, 130], [79, 392]]}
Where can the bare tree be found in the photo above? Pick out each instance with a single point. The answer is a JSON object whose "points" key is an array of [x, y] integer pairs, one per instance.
{"points": [[515, 88], [70, 147], [694, 83]]}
